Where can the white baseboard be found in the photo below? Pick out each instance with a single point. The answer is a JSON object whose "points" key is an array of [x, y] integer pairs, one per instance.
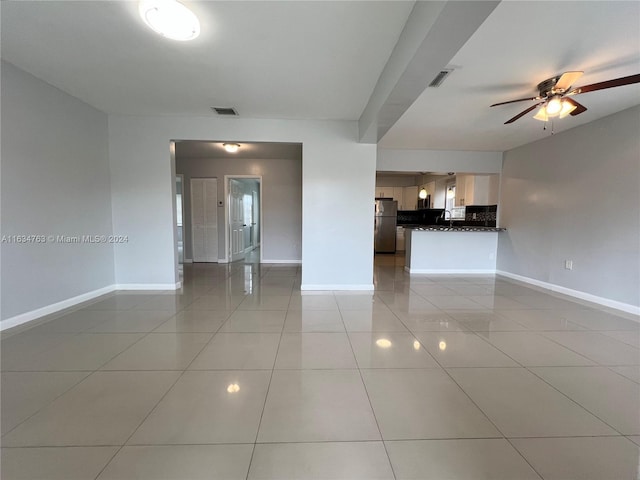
{"points": [[297, 262], [73, 301], [348, 287], [53, 308], [450, 271], [148, 286], [188, 260], [625, 307]]}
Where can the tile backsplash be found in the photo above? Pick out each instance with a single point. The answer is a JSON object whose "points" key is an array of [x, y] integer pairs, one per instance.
{"points": [[485, 215]]}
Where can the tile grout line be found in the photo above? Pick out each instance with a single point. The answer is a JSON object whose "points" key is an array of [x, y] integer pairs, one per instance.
{"points": [[479, 409], [384, 445], [266, 397], [151, 410]]}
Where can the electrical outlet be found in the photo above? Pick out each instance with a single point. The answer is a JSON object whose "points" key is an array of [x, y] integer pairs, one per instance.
{"points": [[568, 264]]}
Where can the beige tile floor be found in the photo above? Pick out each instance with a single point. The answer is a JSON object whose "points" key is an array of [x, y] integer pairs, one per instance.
{"points": [[240, 375]]}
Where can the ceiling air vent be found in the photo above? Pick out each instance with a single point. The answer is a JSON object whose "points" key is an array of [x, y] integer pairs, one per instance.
{"points": [[436, 82], [225, 111]]}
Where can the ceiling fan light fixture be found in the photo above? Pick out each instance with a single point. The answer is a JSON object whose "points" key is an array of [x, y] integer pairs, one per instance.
{"points": [[541, 115], [567, 108], [170, 19], [554, 107], [231, 147]]}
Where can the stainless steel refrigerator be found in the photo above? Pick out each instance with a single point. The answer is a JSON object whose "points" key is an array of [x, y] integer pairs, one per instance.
{"points": [[385, 226]]}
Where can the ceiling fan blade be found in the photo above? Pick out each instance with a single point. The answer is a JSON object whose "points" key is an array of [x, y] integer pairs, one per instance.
{"points": [[521, 114], [566, 80], [579, 107], [616, 82], [514, 101]]}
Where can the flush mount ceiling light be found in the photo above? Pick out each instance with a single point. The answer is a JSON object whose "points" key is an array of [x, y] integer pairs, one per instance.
{"points": [[170, 19], [231, 147]]}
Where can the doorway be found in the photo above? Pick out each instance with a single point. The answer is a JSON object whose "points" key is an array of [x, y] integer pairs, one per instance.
{"points": [[244, 220]]}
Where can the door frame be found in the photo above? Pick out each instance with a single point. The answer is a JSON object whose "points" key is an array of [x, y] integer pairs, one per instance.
{"points": [[227, 229], [184, 250]]}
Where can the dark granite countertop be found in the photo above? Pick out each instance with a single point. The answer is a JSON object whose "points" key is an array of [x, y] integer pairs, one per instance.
{"points": [[460, 228]]}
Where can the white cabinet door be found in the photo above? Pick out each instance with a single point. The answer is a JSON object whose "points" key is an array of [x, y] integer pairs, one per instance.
{"points": [[204, 219], [398, 194], [411, 198], [461, 182]]}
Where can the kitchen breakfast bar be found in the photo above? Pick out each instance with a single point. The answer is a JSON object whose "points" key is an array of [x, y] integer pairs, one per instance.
{"points": [[456, 249]]}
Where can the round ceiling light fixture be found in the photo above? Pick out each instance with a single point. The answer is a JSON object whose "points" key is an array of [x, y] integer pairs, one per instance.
{"points": [[170, 19], [231, 147], [423, 194]]}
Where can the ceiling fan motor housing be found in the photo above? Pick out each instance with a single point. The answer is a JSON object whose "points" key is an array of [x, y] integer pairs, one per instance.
{"points": [[546, 87]]}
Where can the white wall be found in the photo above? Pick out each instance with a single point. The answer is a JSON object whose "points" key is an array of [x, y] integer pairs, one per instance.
{"points": [[338, 181], [281, 197], [55, 181], [399, 160], [576, 196]]}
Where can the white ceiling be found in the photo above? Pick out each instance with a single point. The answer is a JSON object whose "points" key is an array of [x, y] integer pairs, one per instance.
{"points": [[518, 46], [322, 59], [275, 59]]}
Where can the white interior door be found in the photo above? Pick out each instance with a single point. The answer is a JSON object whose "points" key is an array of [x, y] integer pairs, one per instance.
{"points": [[204, 219], [236, 219]]}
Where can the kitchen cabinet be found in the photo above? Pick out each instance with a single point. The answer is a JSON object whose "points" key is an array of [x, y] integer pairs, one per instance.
{"points": [[407, 197], [476, 190], [410, 198], [384, 192], [398, 194], [461, 183]]}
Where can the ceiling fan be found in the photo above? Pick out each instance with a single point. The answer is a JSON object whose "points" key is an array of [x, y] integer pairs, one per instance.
{"points": [[556, 94]]}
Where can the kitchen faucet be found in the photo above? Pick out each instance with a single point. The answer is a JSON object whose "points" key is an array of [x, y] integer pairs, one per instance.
{"points": [[444, 217]]}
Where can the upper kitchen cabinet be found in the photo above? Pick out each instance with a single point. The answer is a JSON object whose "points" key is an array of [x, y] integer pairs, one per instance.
{"points": [[477, 190], [410, 198], [384, 192], [398, 194]]}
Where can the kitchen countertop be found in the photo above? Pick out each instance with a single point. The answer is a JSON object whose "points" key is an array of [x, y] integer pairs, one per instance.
{"points": [[459, 228]]}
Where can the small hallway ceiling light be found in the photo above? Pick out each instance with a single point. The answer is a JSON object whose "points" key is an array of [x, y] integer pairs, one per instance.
{"points": [[231, 147], [422, 194], [451, 192], [170, 19]]}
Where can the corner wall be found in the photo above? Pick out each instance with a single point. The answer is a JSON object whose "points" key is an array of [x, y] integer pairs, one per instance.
{"points": [[576, 196], [55, 181]]}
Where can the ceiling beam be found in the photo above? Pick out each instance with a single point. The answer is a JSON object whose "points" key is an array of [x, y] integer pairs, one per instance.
{"points": [[433, 34]]}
